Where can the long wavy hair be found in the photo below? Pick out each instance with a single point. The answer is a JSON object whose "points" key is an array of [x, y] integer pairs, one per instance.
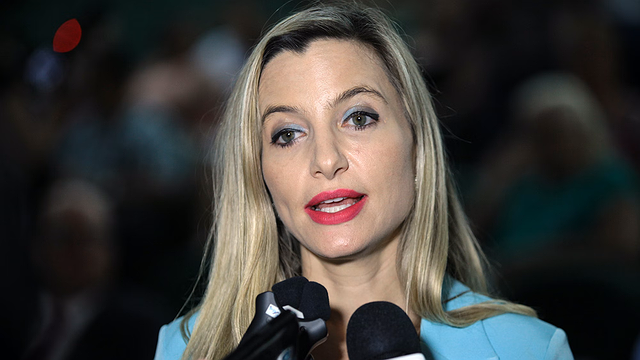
{"points": [[249, 249]]}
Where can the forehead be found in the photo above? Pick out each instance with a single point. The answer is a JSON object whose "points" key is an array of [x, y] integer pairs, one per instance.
{"points": [[325, 66]]}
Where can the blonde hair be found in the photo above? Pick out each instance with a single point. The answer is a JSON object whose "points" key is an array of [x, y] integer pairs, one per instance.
{"points": [[252, 250]]}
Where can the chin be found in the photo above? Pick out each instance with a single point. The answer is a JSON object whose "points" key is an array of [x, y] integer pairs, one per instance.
{"points": [[338, 251]]}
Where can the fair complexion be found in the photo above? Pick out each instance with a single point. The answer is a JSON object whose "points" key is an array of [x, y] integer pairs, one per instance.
{"points": [[334, 130]]}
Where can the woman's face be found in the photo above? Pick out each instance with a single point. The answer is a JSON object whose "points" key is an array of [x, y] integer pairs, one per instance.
{"points": [[336, 148]]}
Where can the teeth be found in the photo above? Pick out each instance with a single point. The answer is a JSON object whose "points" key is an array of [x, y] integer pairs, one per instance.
{"points": [[333, 200], [334, 209]]}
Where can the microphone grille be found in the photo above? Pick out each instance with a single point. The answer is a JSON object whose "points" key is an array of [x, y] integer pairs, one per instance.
{"points": [[307, 296], [289, 292], [381, 330], [315, 302]]}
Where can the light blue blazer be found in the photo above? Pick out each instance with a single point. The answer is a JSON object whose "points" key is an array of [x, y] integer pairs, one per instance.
{"points": [[506, 337]]}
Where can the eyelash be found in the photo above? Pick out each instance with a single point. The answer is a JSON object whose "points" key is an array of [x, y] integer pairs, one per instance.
{"points": [[354, 114], [373, 116], [278, 135]]}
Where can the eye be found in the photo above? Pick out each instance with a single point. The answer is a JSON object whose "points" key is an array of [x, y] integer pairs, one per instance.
{"points": [[360, 119], [286, 137]]}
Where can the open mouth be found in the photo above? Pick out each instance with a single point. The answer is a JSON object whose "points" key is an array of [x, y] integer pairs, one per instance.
{"points": [[336, 206], [332, 206]]}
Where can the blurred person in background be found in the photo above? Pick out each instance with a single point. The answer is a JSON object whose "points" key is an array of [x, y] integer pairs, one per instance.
{"points": [[82, 313], [87, 145], [598, 42], [560, 181], [559, 210], [32, 105], [161, 129], [132, 131]]}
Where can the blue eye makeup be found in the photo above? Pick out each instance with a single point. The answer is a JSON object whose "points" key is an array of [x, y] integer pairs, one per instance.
{"points": [[356, 118], [286, 136], [360, 119]]}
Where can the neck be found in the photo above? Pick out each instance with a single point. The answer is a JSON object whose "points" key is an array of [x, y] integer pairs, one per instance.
{"points": [[350, 284]]}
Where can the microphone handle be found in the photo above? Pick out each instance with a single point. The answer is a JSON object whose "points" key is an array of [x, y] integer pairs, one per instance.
{"points": [[266, 311], [276, 341], [312, 333]]}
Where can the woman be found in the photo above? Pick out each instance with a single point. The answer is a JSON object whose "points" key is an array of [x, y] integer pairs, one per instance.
{"points": [[329, 164]]}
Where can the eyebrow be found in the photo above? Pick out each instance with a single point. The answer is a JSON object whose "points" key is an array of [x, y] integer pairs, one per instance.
{"points": [[345, 95], [280, 108], [355, 91]]}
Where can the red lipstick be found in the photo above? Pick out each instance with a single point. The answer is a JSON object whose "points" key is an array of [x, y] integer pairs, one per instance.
{"points": [[335, 207]]}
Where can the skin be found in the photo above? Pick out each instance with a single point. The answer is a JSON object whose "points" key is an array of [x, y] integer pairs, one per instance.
{"points": [[354, 260]]}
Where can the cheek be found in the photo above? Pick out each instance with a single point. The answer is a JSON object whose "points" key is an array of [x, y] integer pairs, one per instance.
{"points": [[394, 151], [404, 174], [280, 182], [271, 178], [398, 170]]}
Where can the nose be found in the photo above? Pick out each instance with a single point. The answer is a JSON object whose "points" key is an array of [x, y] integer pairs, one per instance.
{"points": [[328, 159]]}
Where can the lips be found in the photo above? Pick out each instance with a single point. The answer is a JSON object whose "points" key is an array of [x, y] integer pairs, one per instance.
{"points": [[335, 207]]}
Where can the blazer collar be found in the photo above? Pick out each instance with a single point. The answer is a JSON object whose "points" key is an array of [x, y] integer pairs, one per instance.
{"points": [[444, 342]]}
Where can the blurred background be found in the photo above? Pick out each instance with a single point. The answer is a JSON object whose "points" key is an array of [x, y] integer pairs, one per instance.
{"points": [[104, 185]]}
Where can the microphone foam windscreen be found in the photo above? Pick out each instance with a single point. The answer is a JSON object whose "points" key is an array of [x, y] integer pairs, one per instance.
{"points": [[289, 292], [381, 330], [315, 302]]}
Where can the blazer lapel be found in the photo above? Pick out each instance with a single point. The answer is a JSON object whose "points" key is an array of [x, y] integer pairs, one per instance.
{"points": [[444, 342]]}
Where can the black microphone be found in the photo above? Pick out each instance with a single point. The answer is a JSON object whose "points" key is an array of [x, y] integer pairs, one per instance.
{"points": [[293, 301], [277, 340], [313, 311], [381, 330]]}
